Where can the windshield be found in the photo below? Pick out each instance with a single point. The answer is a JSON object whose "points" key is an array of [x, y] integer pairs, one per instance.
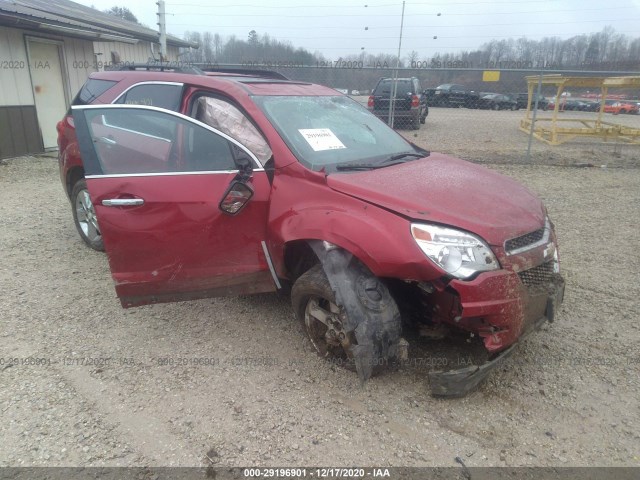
{"points": [[324, 132]]}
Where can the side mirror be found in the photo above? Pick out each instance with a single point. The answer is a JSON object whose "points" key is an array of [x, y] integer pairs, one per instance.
{"points": [[236, 197]]}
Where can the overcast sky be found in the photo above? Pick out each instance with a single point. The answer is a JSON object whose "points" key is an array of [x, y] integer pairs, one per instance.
{"points": [[338, 28]]}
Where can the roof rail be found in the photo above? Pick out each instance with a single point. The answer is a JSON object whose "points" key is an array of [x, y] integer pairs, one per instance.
{"points": [[246, 71], [175, 67]]}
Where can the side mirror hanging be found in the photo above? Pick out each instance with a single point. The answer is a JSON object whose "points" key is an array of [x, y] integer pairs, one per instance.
{"points": [[236, 197]]}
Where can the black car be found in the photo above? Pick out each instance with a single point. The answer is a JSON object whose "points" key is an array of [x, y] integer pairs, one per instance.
{"points": [[410, 107], [497, 101], [580, 105], [454, 95], [523, 101]]}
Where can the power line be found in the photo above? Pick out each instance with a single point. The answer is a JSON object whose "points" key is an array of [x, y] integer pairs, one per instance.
{"points": [[340, 15], [449, 26], [359, 6]]}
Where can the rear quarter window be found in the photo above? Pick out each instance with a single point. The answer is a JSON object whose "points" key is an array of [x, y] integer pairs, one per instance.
{"points": [[165, 96], [91, 90]]}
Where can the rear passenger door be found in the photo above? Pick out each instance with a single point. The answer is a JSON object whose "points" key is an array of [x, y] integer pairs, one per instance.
{"points": [[157, 179]]}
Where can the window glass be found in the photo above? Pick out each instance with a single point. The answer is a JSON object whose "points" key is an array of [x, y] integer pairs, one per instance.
{"points": [[385, 87], [138, 141], [91, 90], [225, 117], [327, 131], [153, 95]]}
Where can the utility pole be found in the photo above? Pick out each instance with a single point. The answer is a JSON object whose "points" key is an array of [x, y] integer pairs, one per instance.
{"points": [[162, 24], [394, 84]]}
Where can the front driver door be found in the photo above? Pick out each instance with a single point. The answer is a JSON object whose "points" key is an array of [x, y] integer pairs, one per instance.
{"points": [[156, 179]]}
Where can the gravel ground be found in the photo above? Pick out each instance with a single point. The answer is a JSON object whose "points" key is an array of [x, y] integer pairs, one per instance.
{"points": [[568, 397]]}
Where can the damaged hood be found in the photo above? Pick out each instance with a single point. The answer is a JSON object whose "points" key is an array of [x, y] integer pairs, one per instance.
{"points": [[446, 190]]}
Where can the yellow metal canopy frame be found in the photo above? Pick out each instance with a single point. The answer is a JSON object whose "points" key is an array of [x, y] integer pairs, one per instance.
{"points": [[554, 130]]}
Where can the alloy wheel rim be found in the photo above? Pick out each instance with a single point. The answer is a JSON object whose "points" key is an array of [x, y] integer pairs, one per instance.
{"points": [[86, 215], [324, 323]]}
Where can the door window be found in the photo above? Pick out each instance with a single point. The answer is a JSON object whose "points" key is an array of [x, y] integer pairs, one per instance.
{"points": [[227, 118], [145, 141]]}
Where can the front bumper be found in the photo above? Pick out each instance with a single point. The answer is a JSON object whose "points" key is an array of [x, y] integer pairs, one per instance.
{"points": [[459, 382]]}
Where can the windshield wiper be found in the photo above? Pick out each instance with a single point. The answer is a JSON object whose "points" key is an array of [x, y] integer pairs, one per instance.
{"points": [[394, 160], [356, 166], [400, 156]]}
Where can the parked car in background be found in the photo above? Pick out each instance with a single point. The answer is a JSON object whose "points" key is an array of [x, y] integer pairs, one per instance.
{"points": [[522, 100], [229, 184], [497, 101], [573, 104], [410, 107], [589, 106], [454, 95], [617, 107]]}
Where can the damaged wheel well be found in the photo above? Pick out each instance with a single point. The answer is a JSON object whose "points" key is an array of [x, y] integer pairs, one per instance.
{"points": [[298, 258], [73, 176]]}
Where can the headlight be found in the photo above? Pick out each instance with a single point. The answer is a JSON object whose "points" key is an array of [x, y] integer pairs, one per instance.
{"points": [[458, 253]]}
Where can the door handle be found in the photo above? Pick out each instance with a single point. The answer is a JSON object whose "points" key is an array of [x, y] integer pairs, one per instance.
{"points": [[107, 140], [123, 202]]}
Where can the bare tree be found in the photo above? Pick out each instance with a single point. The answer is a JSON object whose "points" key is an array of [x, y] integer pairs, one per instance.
{"points": [[412, 57], [122, 12], [207, 47]]}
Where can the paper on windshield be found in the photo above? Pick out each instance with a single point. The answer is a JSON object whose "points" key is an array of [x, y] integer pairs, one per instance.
{"points": [[321, 139]]}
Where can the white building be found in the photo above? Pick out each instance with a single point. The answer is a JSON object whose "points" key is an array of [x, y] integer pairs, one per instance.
{"points": [[47, 50]]}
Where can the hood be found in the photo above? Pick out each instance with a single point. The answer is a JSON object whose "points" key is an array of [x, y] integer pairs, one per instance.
{"points": [[449, 191]]}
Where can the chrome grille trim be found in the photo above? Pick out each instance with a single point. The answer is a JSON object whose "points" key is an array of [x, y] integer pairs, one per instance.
{"points": [[529, 240]]}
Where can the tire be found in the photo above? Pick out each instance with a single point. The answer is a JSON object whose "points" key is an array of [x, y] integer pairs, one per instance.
{"points": [[312, 297], [84, 216], [415, 122], [513, 108], [496, 107]]}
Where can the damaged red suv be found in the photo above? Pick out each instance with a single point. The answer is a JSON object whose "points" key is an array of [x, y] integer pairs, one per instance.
{"points": [[226, 183]]}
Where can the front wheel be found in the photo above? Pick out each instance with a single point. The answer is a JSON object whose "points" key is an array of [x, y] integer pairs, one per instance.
{"points": [[333, 335], [84, 216]]}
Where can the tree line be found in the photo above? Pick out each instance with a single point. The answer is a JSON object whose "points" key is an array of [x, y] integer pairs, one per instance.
{"points": [[606, 50]]}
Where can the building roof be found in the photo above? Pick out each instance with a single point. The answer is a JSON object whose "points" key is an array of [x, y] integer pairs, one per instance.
{"points": [[72, 19]]}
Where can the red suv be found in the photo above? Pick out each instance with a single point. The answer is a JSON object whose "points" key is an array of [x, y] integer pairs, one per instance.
{"points": [[224, 183]]}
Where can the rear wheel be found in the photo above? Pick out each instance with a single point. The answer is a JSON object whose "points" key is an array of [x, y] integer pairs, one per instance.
{"points": [[415, 121], [84, 216]]}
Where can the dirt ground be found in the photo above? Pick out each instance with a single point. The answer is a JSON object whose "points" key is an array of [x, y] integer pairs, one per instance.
{"points": [[84, 382]]}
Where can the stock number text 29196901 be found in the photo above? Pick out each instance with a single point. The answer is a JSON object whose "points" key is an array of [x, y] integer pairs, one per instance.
{"points": [[322, 472]]}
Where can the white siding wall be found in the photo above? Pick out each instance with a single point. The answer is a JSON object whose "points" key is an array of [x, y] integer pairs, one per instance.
{"points": [[137, 53], [14, 71], [78, 55]]}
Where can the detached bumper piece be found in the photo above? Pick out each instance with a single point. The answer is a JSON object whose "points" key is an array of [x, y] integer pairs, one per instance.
{"points": [[460, 382]]}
